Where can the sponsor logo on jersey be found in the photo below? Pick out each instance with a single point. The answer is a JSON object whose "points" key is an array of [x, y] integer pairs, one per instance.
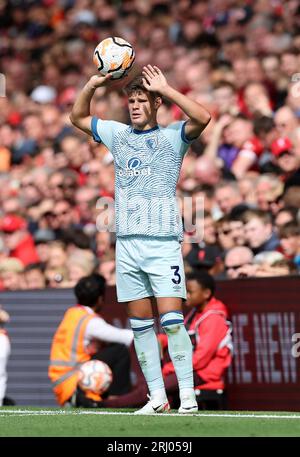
{"points": [[133, 163], [133, 169], [129, 173]]}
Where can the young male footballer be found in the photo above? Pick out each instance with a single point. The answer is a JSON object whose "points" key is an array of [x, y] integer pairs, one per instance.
{"points": [[149, 262]]}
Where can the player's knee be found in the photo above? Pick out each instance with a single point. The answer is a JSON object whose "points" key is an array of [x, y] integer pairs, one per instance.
{"points": [[171, 322], [141, 326]]}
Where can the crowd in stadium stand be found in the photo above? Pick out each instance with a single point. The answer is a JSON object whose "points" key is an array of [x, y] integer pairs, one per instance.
{"points": [[239, 59]]}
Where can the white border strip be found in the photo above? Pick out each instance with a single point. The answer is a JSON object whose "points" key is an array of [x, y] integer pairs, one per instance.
{"points": [[20, 412]]}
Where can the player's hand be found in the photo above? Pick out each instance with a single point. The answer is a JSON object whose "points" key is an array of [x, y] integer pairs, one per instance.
{"points": [[99, 81], [154, 80]]}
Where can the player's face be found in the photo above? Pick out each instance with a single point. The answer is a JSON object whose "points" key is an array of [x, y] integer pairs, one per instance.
{"points": [[141, 110], [196, 294]]}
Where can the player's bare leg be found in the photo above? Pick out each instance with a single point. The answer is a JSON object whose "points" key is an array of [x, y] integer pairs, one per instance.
{"points": [[147, 350], [180, 350]]}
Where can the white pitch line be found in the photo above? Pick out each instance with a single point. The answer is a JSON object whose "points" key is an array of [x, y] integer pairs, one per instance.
{"points": [[23, 411], [5, 413]]}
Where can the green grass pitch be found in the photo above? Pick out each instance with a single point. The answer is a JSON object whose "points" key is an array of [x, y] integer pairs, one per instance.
{"points": [[53, 422]]}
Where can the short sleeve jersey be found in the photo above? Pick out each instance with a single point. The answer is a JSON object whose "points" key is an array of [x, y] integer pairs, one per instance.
{"points": [[147, 166]]}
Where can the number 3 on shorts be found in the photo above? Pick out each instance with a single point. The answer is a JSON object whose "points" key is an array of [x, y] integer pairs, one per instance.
{"points": [[176, 274]]}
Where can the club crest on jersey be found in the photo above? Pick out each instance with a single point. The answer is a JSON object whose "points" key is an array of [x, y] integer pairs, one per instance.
{"points": [[151, 143], [133, 163]]}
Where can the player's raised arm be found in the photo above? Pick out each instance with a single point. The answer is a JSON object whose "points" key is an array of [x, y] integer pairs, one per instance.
{"points": [[199, 117], [80, 115]]}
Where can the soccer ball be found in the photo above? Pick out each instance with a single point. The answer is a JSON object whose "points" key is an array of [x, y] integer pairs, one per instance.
{"points": [[95, 376], [114, 55]]}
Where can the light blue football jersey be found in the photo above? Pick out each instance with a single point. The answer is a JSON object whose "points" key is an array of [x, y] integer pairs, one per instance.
{"points": [[147, 167]]}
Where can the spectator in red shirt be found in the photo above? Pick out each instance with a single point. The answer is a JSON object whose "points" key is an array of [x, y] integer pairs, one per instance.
{"points": [[285, 157], [18, 239]]}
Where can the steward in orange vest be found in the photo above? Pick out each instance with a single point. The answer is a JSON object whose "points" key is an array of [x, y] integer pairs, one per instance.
{"points": [[68, 353], [79, 337]]}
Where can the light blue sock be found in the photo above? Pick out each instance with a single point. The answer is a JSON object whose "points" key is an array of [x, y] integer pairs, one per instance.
{"points": [[147, 351], [180, 348]]}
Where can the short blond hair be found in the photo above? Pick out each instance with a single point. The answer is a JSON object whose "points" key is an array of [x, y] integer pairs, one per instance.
{"points": [[12, 265]]}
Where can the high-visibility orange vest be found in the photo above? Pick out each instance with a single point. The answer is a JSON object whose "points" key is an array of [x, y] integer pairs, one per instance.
{"points": [[68, 353]]}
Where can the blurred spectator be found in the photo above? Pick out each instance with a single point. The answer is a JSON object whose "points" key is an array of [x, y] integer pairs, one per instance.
{"points": [[64, 182], [264, 129], [64, 216], [107, 269], [42, 238], [291, 197], [3, 251], [228, 196], [285, 215], [92, 171], [269, 189], [238, 262], [225, 98], [80, 263], [103, 244], [84, 196], [257, 100], [204, 196], [207, 253], [206, 171], [34, 276], [259, 232], [272, 263], [57, 256], [75, 237], [71, 148], [234, 142], [289, 235], [18, 240], [285, 121], [11, 274], [225, 239], [285, 157], [237, 231]]}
